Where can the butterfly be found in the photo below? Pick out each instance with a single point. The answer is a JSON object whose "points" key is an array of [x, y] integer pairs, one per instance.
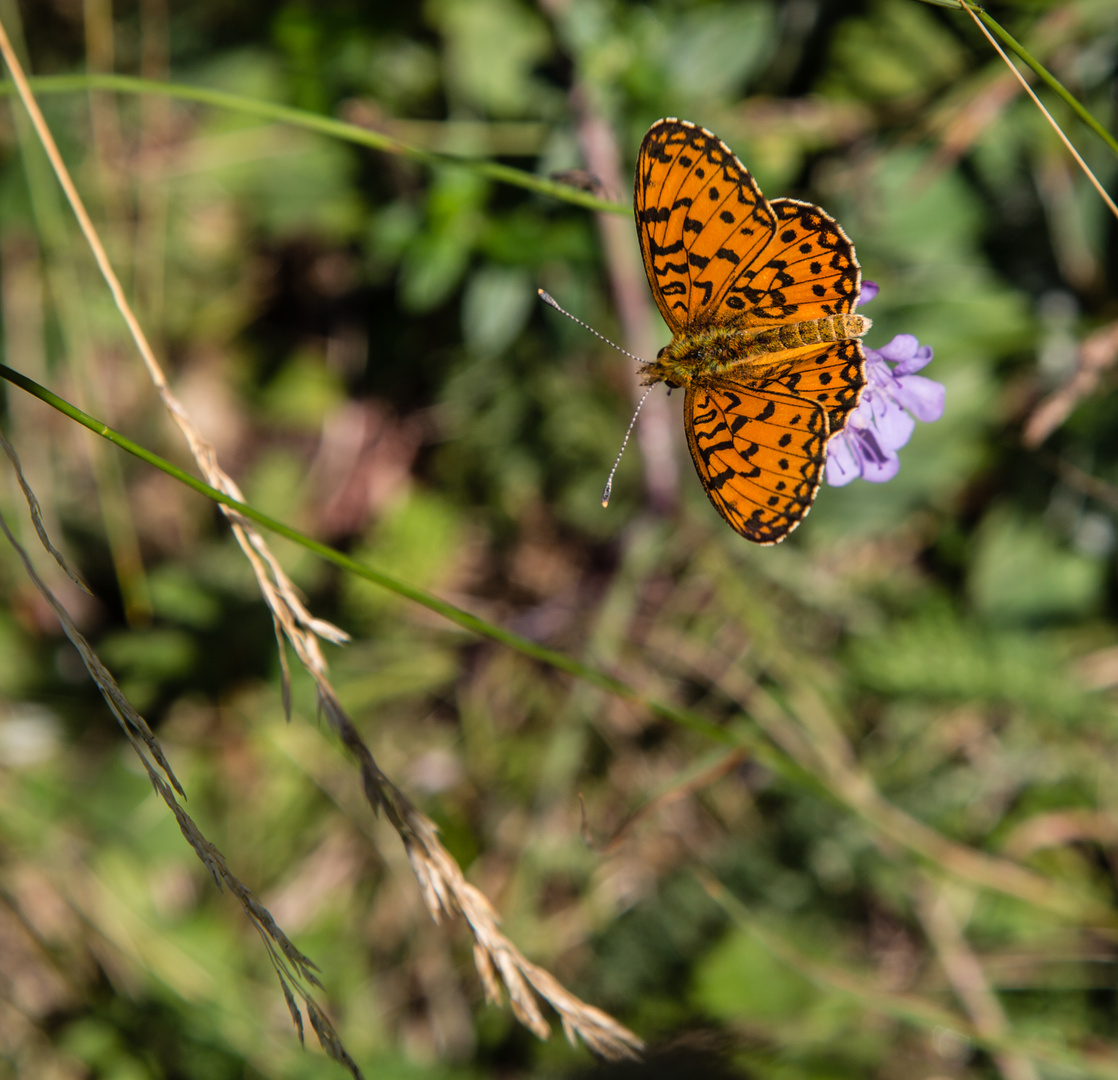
{"points": [[760, 299]]}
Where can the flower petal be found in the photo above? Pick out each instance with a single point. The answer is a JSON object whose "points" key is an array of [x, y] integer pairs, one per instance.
{"points": [[878, 463], [892, 426], [883, 471], [902, 347], [922, 358], [924, 398], [878, 373], [893, 400], [842, 465]]}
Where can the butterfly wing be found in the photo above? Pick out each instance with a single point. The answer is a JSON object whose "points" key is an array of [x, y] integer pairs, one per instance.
{"points": [[717, 253], [806, 270], [759, 453], [700, 217], [831, 376]]}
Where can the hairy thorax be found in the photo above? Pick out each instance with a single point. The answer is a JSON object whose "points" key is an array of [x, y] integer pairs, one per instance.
{"points": [[694, 355]]}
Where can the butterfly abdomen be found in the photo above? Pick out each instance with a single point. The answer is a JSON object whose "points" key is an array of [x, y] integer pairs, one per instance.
{"points": [[794, 335], [718, 350]]}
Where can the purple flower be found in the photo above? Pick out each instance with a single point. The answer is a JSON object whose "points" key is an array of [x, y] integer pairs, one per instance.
{"points": [[883, 421], [869, 291]]}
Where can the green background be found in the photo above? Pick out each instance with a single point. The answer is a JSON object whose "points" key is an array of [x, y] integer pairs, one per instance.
{"points": [[919, 683]]}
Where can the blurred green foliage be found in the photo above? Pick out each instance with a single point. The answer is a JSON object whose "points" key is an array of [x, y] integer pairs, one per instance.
{"points": [[360, 338]]}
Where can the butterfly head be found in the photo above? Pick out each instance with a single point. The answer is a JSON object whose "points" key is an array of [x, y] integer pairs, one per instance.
{"points": [[663, 369]]}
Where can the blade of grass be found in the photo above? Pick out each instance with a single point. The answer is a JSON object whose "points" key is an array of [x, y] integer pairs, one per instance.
{"points": [[843, 787], [292, 967], [1057, 87], [906, 1007], [324, 125], [1054, 84], [827, 757], [966, 975], [82, 358], [981, 19], [454, 614], [442, 884], [1047, 115]]}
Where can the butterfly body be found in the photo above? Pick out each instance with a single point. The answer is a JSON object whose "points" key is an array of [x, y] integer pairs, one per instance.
{"points": [[760, 299], [724, 349]]}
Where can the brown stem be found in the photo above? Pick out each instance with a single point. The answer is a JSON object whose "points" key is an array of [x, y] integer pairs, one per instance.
{"points": [[631, 294]]}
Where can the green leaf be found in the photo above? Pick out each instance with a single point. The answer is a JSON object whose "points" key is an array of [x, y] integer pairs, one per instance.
{"points": [[739, 982], [1021, 575], [495, 308]]}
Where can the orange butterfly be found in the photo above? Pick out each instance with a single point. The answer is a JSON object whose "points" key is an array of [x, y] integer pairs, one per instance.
{"points": [[759, 297]]}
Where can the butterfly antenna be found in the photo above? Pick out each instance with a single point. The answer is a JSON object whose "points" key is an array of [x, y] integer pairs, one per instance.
{"points": [[547, 298], [608, 489]]}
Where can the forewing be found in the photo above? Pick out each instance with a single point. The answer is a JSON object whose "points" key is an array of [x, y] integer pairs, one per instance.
{"points": [[832, 376], [700, 218], [807, 270], [759, 453]]}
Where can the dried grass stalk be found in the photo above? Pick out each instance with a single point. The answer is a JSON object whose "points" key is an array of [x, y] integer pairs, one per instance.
{"points": [[443, 886], [292, 967]]}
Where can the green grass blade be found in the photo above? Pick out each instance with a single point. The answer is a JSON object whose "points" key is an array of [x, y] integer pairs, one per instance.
{"points": [[909, 1008], [456, 615], [738, 734], [1058, 87], [324, 125], [1053, 83]]}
